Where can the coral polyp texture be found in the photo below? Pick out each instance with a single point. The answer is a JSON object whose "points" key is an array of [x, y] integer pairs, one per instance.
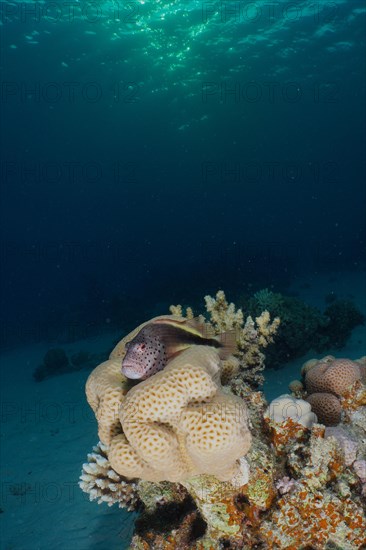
{"points": [[105, 392], [326, 381], [180, 423], [286, 406], [332, 376], [327, 407], [210, 464]]}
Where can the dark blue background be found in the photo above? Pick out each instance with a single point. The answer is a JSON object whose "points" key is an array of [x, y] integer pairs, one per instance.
{"points": [[116, 207]]}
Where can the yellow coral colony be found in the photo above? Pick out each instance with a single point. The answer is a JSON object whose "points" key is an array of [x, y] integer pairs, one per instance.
{"points": [[252, 336], [174, 425]]}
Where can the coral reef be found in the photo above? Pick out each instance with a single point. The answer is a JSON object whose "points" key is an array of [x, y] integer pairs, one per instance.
{"points": [[323, 505], [325, 382], [359, 467], [103, 484], [81, 359], [285, 406], [362, 365], [342, 317], [286, 485], [105, 390], [332, 376], [56, 362], [180, 446], [327, 408], [175, 424], [348, 444], [304, 327], [252, 335], [296, 386]]}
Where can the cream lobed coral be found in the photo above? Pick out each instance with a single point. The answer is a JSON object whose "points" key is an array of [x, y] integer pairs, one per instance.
{"points": [[105, 391], [180, 423], [106, 387], [308, 365], [175, 424]]}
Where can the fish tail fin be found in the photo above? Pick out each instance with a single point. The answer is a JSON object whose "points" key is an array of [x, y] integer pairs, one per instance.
{"points": [[229, 344], [226, 341]]}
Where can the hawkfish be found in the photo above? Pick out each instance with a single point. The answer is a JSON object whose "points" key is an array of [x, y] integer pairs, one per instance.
{"points": [[163, 339]]}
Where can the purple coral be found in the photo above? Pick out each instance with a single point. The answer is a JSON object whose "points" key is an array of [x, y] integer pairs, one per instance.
{"points": [[359, 467], [285, 485], [348, 445]]}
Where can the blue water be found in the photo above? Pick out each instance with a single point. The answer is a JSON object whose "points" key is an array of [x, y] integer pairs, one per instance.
{"points": [[153, 152]]}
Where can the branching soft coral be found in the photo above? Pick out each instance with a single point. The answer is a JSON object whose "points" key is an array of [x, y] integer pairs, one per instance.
{"points": [[255, 336], [252, 335], [178, 310], [223, 315]]}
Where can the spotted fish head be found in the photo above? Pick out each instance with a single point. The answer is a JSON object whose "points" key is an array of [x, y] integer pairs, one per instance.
{"points": [[145, 355]]}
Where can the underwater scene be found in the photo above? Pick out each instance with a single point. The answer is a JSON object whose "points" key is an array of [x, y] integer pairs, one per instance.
{"points": [[183, 275]]}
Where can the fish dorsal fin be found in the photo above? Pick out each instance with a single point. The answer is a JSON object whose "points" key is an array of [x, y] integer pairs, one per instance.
{"points": [[197, 326], [192, 326], [198, 329]]}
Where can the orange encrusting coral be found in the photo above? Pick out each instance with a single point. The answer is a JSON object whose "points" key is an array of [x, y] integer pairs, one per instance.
{"points": [[354, 397], [286, 433], [313, 518], [235, 515]]}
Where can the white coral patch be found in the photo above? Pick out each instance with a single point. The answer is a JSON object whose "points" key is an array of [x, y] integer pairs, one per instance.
{"points": [[286, 406]]}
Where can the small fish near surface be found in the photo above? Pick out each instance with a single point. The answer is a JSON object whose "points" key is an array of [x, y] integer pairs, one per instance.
{"points": [[162, 339]]}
